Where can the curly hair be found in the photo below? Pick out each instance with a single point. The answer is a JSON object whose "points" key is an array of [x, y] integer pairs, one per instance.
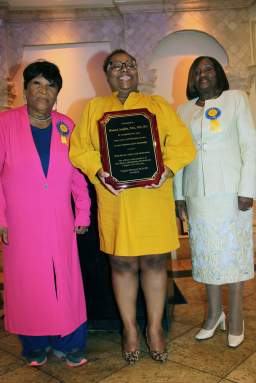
{"points": [[44, 68]]}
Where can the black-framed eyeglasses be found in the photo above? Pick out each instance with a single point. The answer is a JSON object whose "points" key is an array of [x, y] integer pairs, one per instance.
{"points": [[118, 66]]}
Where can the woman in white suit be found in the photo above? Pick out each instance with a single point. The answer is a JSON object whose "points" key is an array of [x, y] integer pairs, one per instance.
{"points": [[216, 191]]}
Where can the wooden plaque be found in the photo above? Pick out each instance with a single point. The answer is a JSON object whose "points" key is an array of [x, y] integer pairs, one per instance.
{"points": [[130, 148]]}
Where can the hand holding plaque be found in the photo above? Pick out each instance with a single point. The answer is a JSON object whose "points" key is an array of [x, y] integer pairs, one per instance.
{"points": [[130, 148]]}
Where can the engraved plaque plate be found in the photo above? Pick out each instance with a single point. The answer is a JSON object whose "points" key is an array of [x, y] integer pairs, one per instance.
{"points": [[130, 148]]}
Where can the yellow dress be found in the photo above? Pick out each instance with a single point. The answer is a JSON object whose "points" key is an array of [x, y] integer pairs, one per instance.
{"points": [[138, 221]]}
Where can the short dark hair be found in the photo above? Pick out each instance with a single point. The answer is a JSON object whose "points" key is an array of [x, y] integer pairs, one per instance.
{"points": [[222, 81], [107, 60], [47, 69]]}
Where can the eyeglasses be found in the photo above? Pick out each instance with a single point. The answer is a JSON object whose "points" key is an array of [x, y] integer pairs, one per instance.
{"points": [[118, 66]]}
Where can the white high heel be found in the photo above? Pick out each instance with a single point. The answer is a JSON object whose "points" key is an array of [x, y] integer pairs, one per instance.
{"points": [[235, 340], [206, 334]]}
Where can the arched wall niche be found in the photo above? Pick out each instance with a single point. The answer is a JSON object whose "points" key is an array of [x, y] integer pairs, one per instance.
{"points": [[229, 28], [172, 57]]}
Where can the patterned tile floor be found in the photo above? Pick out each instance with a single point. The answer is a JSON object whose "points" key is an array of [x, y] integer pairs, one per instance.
{"points": [[189, 361]]}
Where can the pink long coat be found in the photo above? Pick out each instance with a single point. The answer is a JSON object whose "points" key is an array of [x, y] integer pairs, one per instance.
{"points": [[43, 291]]}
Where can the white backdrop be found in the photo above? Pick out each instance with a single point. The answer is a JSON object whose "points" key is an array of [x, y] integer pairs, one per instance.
{"points": [[81, 69]]}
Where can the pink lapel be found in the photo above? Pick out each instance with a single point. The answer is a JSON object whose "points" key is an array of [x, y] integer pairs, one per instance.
{"points": [[59, 160]]}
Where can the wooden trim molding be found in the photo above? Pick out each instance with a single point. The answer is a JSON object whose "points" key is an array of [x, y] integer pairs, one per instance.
{"points": [[253, 40], [115, 8]]}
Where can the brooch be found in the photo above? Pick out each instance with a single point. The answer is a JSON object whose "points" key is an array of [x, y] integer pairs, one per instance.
{"points": [[63, 131], [213, 115]]}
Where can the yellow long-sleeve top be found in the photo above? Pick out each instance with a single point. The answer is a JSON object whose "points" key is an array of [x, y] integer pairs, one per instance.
{"points": [[139, 221]]}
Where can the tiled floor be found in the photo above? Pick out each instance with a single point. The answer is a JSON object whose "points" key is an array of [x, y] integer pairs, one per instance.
{"points": [[189, 361]]}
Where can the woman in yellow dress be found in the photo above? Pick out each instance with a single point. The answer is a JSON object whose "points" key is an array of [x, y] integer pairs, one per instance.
{"points": [[137, 226]]}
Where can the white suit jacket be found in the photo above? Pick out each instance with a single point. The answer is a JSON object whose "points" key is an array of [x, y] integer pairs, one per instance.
{"points": [[225, 137]]}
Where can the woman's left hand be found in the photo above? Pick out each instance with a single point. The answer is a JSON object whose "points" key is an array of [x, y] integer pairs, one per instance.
{"points": [[166, 174], [81, 229], [245, 203]]}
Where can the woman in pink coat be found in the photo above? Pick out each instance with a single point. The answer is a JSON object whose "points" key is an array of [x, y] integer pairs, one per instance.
{"points": [[44, 301]]}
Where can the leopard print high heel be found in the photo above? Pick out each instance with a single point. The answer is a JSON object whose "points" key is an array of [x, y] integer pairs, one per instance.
{"points": [[157, 355], [131, 357]]}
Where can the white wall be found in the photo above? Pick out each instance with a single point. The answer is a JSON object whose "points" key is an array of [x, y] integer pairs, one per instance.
{"points": [[173, 57], [81, 69]]}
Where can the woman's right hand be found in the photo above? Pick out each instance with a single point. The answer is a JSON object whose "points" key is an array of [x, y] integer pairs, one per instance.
{"points": [[4, 235], [102, 177], [181, 210]]}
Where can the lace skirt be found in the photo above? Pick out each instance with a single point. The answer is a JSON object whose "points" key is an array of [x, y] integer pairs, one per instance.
{"points": [[221, 239]]}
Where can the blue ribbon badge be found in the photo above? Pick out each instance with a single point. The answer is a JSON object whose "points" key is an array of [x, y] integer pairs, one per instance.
{"points": [[213, 115], [63, 131]]}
